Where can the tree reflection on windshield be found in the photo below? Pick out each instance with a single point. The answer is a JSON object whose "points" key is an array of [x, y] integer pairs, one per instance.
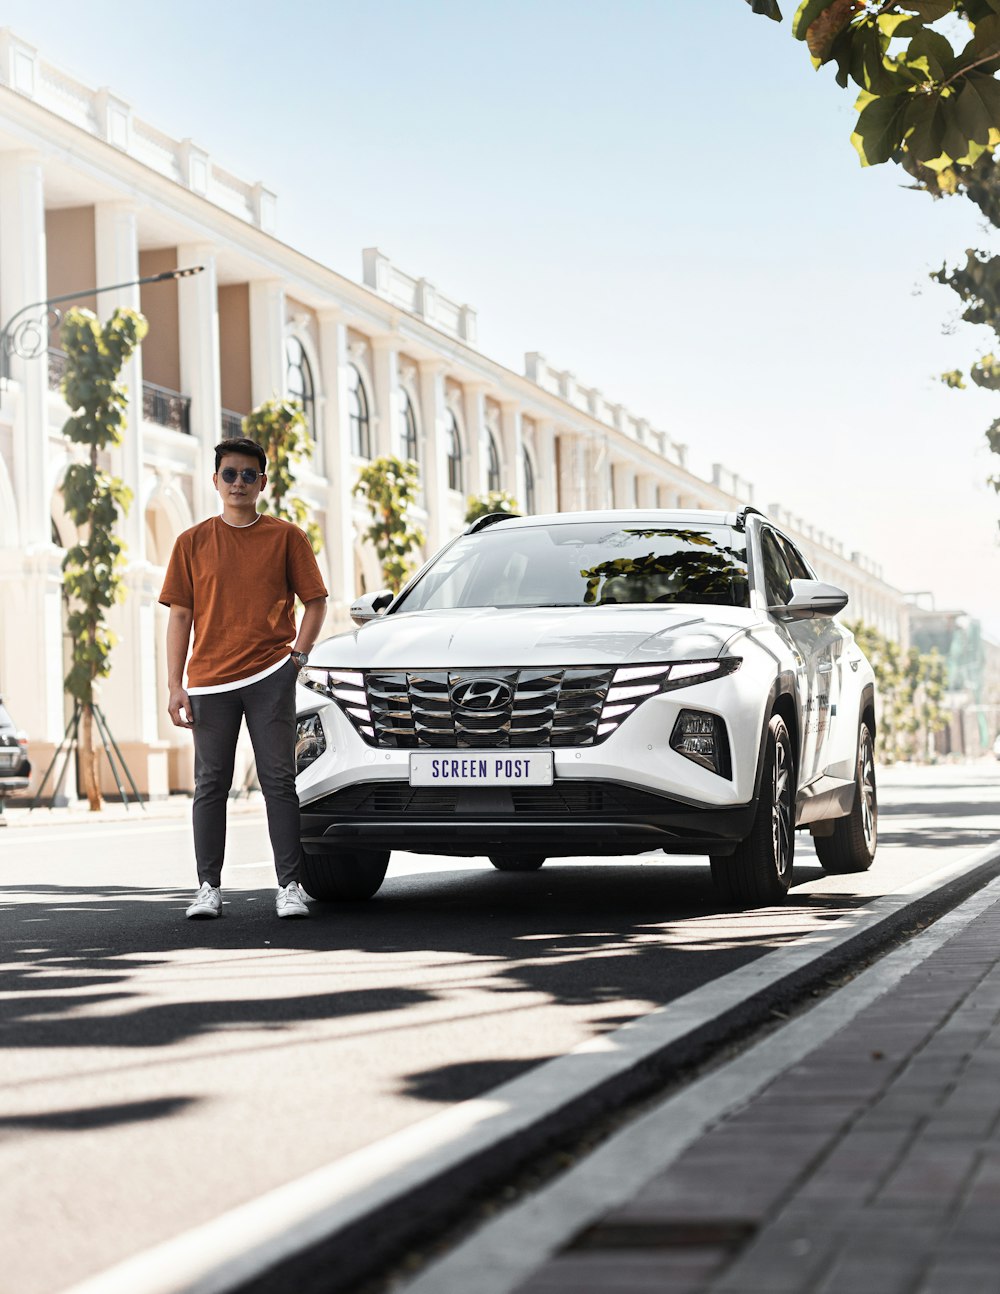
{"points": [[684, 574]]}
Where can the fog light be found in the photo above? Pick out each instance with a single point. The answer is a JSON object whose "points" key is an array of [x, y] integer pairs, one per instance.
{"points": [[310, 741], [702, 738]]}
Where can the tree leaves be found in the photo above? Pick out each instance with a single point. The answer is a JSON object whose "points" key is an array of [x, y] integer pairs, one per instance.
{"points": [[281, 428], [910, 686], [931, 108], [92, 567], [769, 8], [823, 31], [880, 129], [986, 373], [924, 105], [481, 505], [389, 487]]}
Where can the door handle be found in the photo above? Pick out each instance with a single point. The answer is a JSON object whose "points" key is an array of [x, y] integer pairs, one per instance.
{"points": [[825, 668]]}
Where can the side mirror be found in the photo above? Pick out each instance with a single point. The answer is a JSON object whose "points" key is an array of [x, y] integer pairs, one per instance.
{"points": [[811, 598], [370, 605]]}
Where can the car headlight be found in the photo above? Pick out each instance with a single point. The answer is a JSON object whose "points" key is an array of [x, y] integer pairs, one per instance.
{"points": [[633, 684], [310, 740], [347, 688]]}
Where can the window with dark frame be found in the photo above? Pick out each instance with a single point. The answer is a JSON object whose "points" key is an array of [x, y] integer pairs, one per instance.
{"points": [[357, 408], [529, 484], [407, 427], [455, 474], [493, 463], [299, 381]]}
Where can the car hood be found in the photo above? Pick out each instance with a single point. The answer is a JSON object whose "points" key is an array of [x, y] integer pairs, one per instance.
{"points": [[490, 637]]}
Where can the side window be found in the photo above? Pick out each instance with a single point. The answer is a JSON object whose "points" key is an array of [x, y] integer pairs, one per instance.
{"points": [[777, 576], [795, 560]]}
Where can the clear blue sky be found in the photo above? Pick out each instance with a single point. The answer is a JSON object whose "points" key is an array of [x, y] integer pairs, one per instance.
{"points": [[660, 196]]}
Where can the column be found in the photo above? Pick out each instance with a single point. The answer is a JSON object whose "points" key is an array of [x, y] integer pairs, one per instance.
{"points": [[117, 239], [129, 697], [334, 361], [513, 449], [570, 496], [598, 486], [647, 491], [267, 340], [30, 577], [23, 282], [546, 484], [385, 368], [435, 464], [198, 329], [474, 407]]}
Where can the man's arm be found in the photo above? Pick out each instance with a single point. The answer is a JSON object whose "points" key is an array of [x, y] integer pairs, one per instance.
{"points": [[313, 615], [178, 640]]}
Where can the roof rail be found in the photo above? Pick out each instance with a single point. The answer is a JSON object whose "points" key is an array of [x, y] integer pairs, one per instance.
{"points": [[741, 516], [489, 519]]}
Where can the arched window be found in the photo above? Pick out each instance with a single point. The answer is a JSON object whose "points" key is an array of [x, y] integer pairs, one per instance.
{"points": [[357, 409], [453, 440], [492, 463], [407, 427], [529, 484], [299, 380]]}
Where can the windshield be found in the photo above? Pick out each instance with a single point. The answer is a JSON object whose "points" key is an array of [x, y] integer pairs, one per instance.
{"points": [[586, 564]]}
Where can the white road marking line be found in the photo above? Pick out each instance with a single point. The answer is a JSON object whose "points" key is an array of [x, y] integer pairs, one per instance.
{"points": [[244, 1242]]}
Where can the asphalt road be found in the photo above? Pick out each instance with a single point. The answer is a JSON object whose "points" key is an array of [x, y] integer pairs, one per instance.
{"points": [[157, 1072]]}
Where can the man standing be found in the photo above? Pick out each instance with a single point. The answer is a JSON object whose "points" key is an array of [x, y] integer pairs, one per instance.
{"points": [[234, 580]]}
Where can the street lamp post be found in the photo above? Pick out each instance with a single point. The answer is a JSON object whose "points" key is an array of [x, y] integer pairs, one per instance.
{"points": [[26, 333]]}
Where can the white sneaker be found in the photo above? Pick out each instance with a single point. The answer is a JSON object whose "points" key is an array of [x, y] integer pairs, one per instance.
{"points": [[207, 903], [289, 901]]}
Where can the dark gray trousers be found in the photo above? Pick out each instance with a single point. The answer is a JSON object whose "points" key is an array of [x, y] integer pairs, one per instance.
{"points": [[269, 709]]}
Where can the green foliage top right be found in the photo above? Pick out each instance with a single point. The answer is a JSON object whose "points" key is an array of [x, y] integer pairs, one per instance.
{"points": [[926, 74]]}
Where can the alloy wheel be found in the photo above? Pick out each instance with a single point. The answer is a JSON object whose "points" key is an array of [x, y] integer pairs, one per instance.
{"points": [[869, 799], [781, 804]]}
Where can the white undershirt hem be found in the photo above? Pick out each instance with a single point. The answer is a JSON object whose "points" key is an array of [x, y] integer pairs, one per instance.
{"points": [[240, 682]]}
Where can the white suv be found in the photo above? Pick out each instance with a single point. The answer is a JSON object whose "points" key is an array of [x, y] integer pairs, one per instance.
{"points": [[593, 684]]}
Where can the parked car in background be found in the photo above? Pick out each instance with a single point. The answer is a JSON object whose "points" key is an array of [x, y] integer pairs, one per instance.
{"points": [[593, 684], [15, 767]]}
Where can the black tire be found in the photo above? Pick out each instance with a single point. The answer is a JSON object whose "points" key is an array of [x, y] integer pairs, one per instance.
{"points": [[852, 846], [517, 862], [759, 873], [330, 878]]}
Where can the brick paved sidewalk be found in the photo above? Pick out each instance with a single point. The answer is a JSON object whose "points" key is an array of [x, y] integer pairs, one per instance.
{"points": [[871, 1166]]}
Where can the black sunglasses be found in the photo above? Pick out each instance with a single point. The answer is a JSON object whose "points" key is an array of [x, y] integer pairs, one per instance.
{"points": [[249, 474]]}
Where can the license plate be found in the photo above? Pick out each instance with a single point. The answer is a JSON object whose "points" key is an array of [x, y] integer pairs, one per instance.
{"points": [[8, 758], [482, 768]]}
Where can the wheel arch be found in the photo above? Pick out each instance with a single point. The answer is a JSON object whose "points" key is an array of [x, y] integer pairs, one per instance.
{"points": [[867, 714], [782, 700]]}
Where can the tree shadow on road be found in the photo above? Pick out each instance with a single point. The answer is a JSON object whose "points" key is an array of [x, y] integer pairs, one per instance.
{"points": [[607, 939]]}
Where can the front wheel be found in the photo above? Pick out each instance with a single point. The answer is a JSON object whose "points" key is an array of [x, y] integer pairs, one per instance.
{"points": [[344, 876], [851, 847], [759, 873], [517, 862]]}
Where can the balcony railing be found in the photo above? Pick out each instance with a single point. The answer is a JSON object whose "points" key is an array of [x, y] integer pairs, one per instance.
{"points": [[57, 367], [166, 408], [232, 424]]}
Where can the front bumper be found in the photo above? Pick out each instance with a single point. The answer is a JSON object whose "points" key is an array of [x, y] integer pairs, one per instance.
{"points": [[570, 817]]}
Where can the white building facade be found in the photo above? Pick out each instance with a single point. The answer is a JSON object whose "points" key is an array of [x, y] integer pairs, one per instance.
{"points": [[90, 196]]}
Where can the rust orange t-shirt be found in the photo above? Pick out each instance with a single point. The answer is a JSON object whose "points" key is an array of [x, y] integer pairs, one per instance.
{"points": [[241, 582]]}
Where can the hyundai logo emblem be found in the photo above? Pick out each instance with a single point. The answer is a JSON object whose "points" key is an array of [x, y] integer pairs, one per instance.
{"points": [[482, 694]]}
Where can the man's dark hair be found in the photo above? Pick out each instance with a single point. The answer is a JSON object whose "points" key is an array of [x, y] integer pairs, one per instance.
{"points": [[241, 445]]}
